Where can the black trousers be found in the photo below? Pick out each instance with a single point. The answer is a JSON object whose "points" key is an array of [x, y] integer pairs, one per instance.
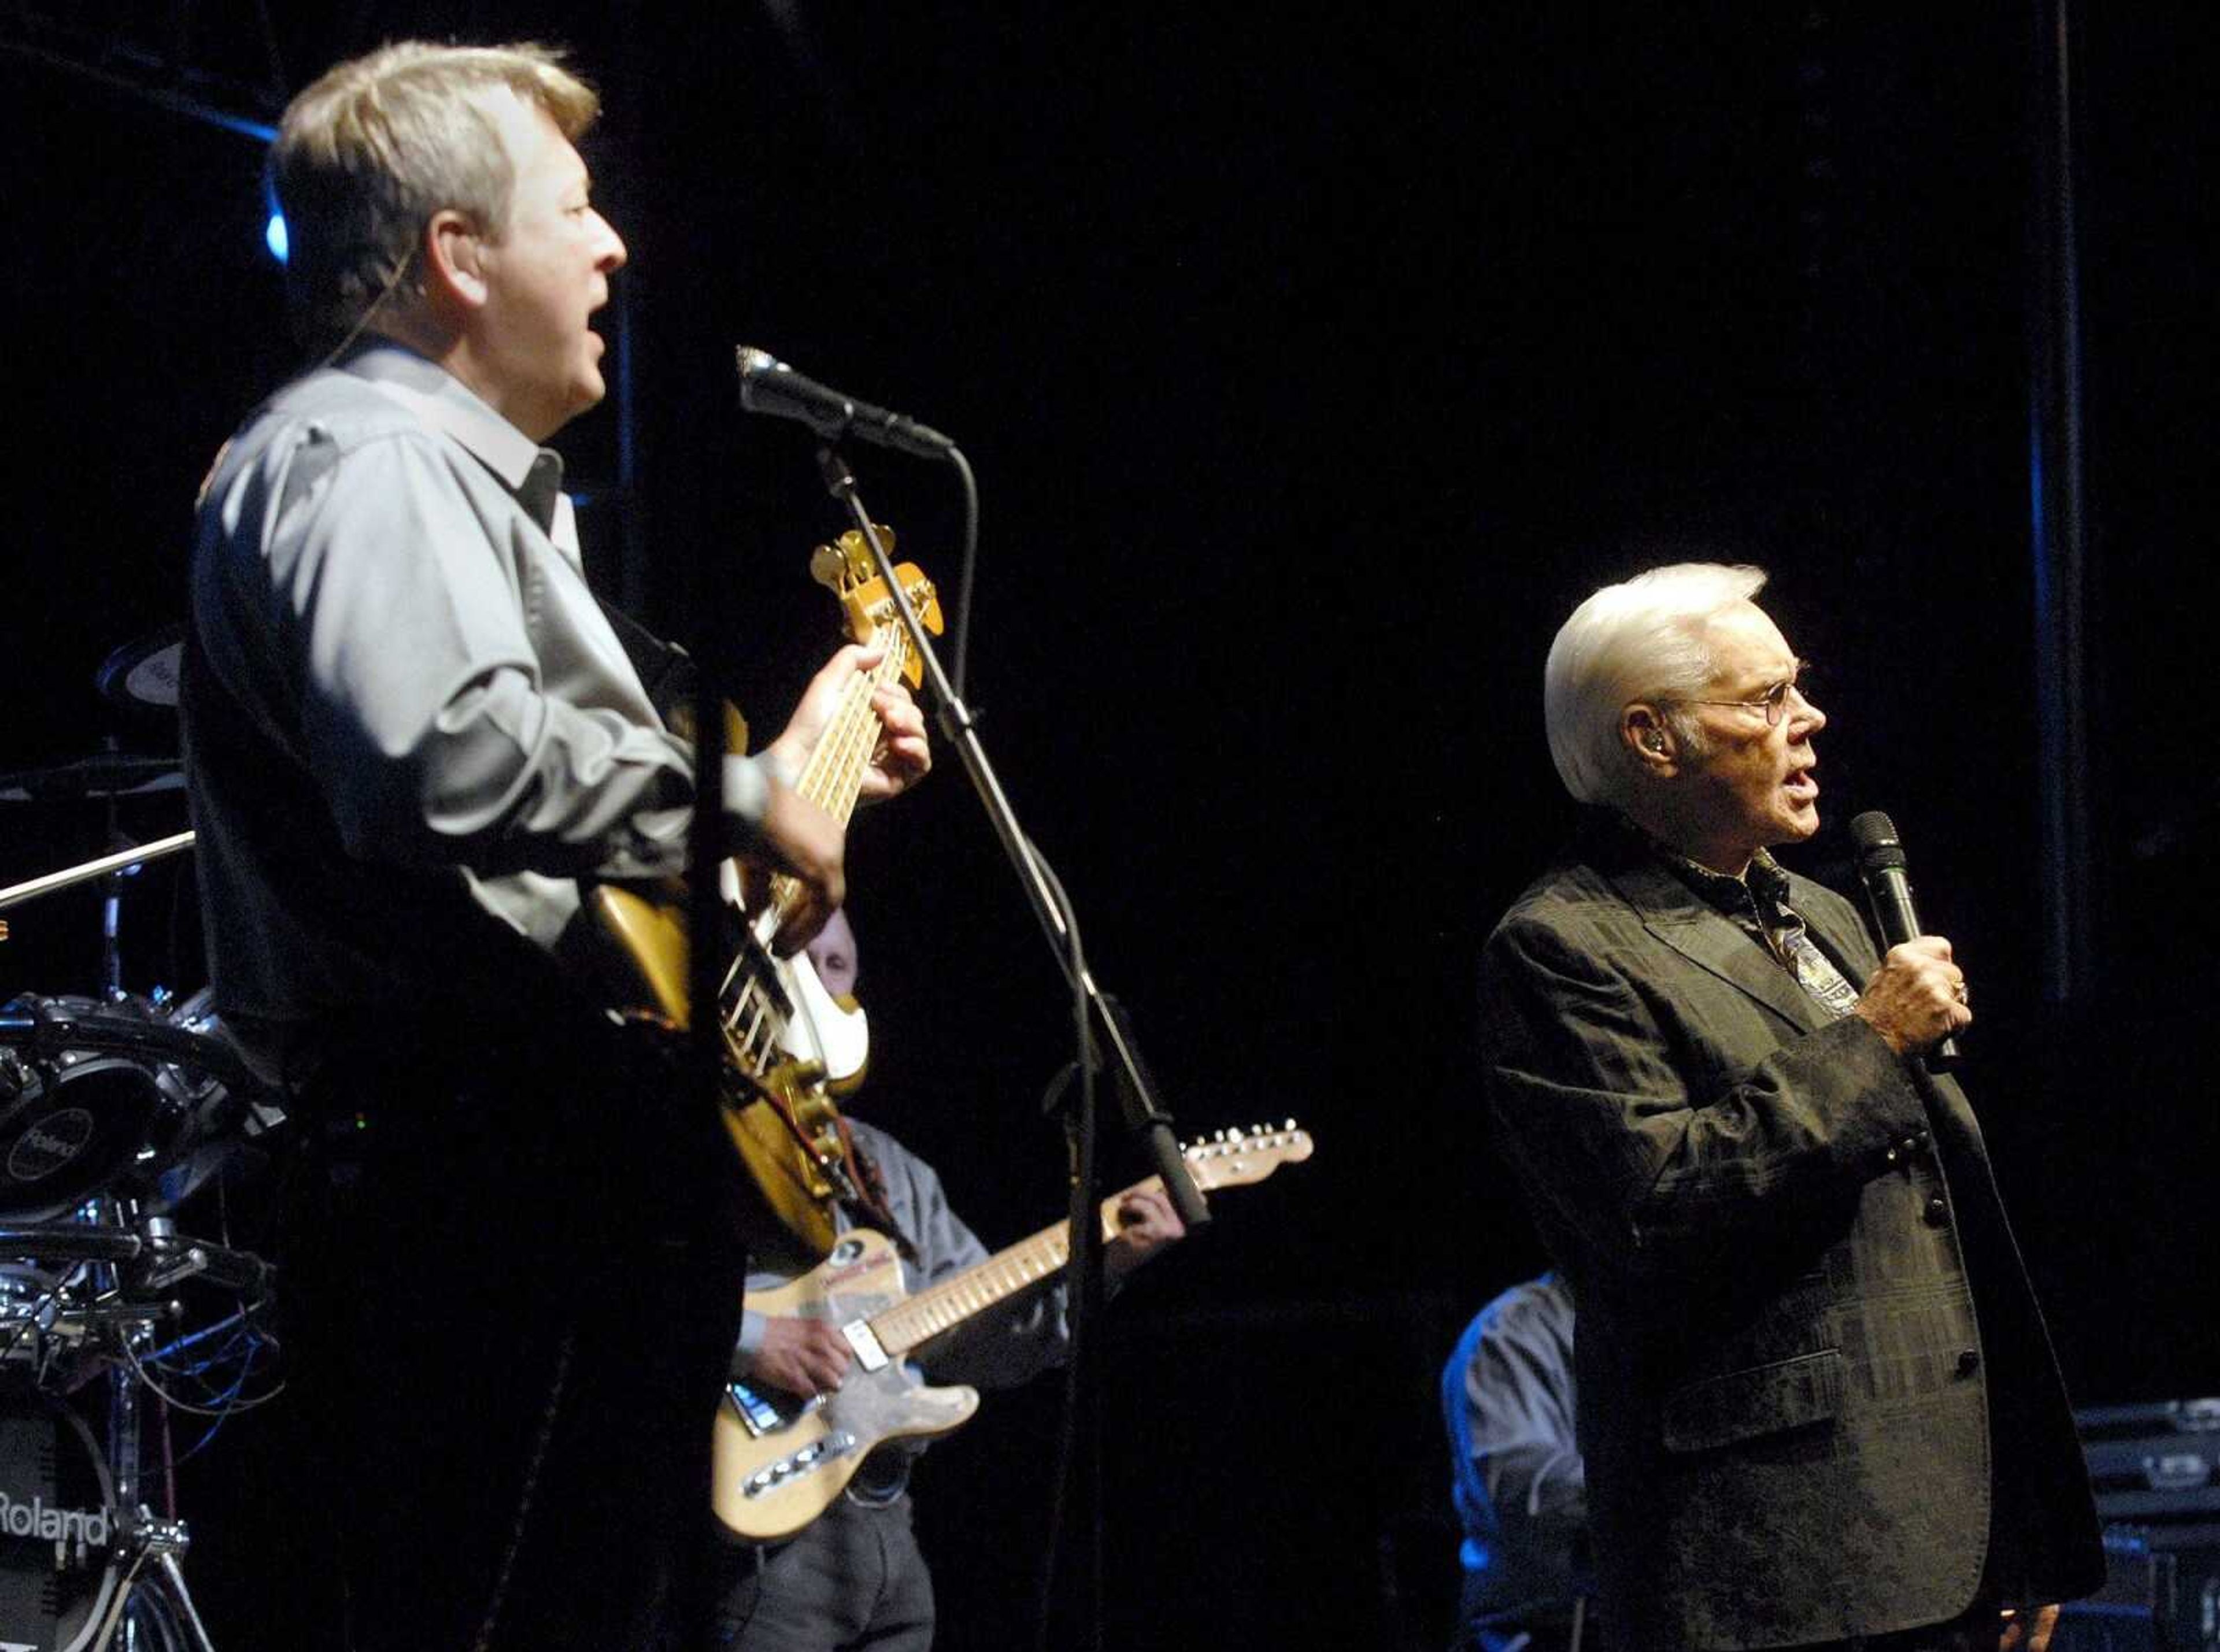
{"points": [[513, 1280]]}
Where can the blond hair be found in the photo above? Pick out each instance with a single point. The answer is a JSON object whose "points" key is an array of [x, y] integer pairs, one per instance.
{"points": [[367, 155], [1641, 639]]}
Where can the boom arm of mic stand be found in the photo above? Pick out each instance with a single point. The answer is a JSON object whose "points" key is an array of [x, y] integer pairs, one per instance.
{"points": [[956, 726]]}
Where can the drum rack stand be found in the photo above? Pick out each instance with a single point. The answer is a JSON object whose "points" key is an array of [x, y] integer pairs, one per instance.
{"points": [[149, 1609], [144, 1539]]}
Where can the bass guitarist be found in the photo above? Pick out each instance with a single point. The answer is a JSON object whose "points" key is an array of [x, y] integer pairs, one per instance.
{"points": [[410, 732], [855, 1577]]}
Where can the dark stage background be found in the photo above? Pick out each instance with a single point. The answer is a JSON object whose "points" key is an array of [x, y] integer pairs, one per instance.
{"points": [[1313, 371]]}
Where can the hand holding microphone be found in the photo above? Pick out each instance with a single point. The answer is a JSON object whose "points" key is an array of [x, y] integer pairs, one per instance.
{"points": [[1917, 998]]}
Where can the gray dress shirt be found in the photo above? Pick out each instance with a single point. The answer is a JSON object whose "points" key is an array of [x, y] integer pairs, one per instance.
{"points": [[403, 706]]}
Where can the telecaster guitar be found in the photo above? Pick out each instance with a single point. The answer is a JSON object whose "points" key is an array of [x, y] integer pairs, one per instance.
{"points": [[780, 1460], [789, 1047]]}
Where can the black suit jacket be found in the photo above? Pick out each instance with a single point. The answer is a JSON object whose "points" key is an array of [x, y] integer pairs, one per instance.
{"points": [[1817, 1397]]}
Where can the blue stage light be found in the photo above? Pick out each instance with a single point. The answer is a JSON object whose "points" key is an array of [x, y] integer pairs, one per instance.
{"points": [[273, 236]]}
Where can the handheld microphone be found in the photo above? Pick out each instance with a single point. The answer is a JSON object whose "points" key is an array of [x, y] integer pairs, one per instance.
{"points": [[1888, 892], [769, 386]]}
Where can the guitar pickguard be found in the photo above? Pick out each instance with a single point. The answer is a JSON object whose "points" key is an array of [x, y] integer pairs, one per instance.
{"points": [[832, 1034]]}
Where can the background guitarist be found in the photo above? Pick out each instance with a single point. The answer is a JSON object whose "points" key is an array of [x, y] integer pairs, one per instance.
{"points": [[411, 731], [855, 1577]]}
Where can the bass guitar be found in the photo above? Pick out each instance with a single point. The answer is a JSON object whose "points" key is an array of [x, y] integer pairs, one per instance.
{"points": [[788, 1047], [779, 1460]]}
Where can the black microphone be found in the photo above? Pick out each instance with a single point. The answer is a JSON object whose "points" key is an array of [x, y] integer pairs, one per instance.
{"points": [[1888, 892], [769, 386]]}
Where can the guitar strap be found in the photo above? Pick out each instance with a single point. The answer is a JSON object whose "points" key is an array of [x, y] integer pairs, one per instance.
{"points": [[666, 670], [864, 1174]]}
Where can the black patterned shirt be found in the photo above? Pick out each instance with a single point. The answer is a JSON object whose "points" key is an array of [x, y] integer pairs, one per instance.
{"points": [[1757, 902]]}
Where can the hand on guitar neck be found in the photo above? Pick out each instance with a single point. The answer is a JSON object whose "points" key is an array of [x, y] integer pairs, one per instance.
{"points": [[902, 756], [797, 837], [1146, 1223]]}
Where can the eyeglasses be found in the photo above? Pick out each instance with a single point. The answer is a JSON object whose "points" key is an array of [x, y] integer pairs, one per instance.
{"points": [[1774, 702]]}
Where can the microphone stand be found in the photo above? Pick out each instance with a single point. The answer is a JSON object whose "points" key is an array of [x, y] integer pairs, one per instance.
{"points": [[957, 727], [1097, 1029]]}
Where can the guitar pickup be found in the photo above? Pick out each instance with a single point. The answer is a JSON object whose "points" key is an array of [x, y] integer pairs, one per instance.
{"points": [[861, 1337], [756, 963]]}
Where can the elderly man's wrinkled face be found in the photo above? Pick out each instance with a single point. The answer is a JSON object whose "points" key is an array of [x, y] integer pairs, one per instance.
{"points": [[1756, 785]]}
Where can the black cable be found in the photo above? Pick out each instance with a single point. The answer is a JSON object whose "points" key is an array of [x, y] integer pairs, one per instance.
{"points": [[1077, 1457], [967, 567]]}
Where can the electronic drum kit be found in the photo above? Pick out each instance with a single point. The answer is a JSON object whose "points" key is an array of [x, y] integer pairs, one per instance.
{"points": [[114, 1109]]}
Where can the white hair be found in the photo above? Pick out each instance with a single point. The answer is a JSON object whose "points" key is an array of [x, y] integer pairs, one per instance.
{"points": [[1640, 639]]}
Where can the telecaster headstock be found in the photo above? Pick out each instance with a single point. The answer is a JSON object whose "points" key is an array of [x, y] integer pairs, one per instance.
{"points": [[1234, 1158]]}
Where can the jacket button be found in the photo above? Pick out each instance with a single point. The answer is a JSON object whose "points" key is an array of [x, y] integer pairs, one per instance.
{"points": [[1970, 1361], [1939, 1212]]}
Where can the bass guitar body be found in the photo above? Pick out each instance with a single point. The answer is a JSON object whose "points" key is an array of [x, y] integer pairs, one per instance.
{"points": [[790, 1048], [779, 1106]]}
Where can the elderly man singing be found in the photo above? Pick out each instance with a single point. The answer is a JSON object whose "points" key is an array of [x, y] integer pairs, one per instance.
{"points": [[1817, 1399]]}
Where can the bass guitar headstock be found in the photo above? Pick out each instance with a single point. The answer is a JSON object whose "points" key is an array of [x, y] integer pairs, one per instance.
{"points": [[845, 569]]}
